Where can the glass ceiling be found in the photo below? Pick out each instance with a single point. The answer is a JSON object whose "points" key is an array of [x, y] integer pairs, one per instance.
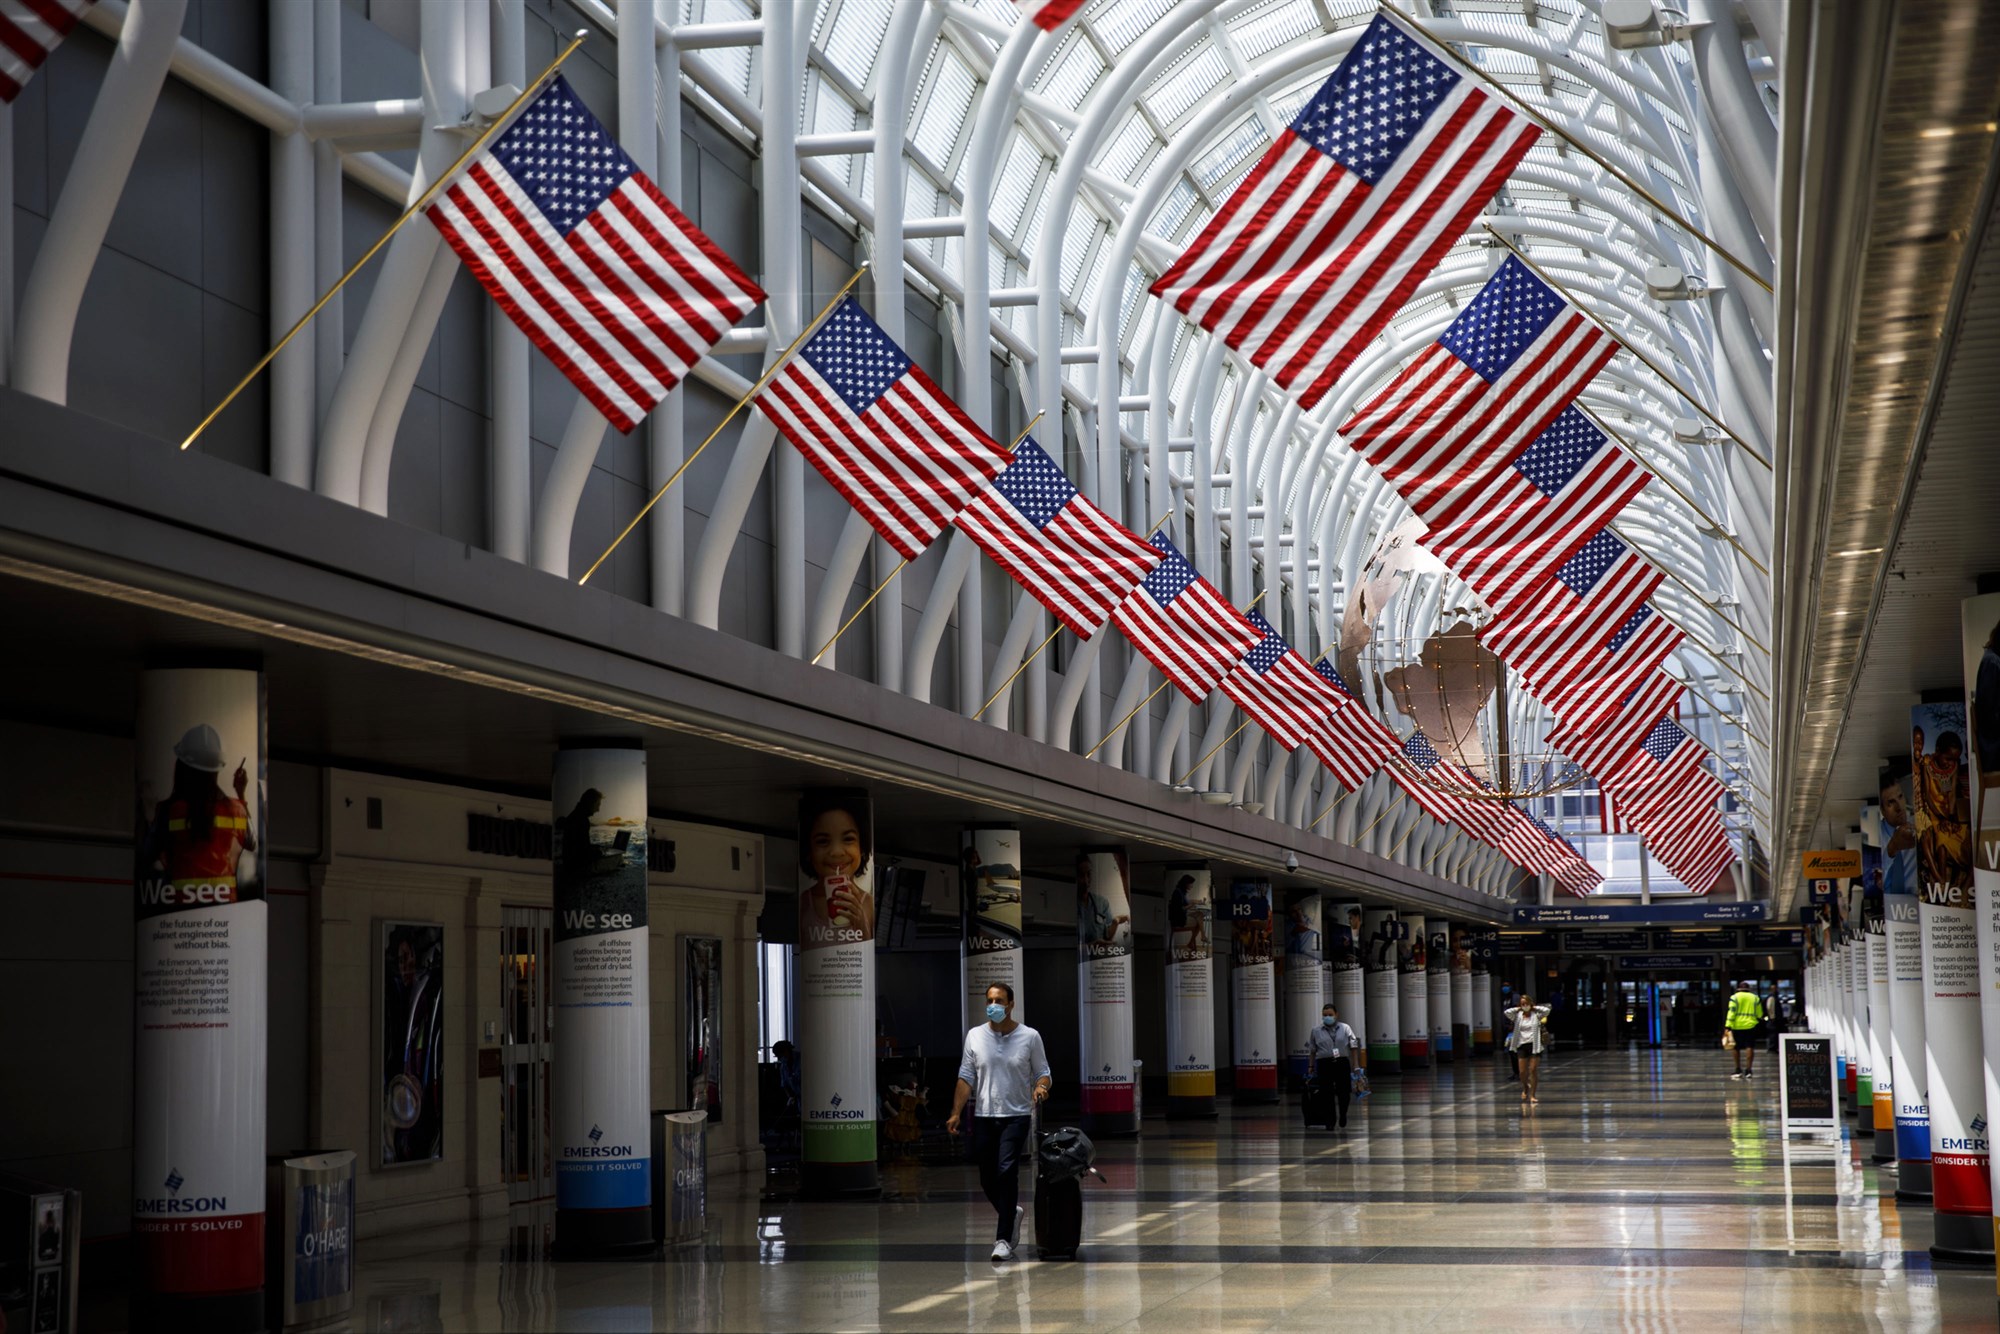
{"points": [[1167, 150]]}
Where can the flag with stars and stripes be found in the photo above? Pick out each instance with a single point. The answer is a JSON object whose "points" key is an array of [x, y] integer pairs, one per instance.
{"points": [[1420, 771], [1277, 688], [1048, 15], [1352, 206], [1068, 554], [1523, 842], [1593, 593], [1351, 742], [1591, 687], [1484, 818], [1538, 511], [1182, 624], [29, 31], [584, 253], [1666, 794], [1604, 749], [1478, 398], [1579, 877], [880, 430]]}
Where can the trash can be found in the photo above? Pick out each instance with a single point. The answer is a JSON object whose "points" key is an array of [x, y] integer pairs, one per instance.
{"points": [[680, 1177], [309, 1236]]}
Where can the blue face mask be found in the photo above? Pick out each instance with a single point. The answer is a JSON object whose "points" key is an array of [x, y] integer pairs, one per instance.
{"points": [[996, 1012], [1329, 1020]]}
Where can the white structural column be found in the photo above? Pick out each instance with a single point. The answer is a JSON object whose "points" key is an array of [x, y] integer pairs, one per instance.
{"points": [[508, 369], [782, 241], [329, 330], [90, 194], [294, 403], [666, 430], [399, 286]]}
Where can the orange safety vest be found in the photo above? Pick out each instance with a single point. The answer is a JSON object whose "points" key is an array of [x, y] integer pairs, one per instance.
{"points": [[196, 856]]}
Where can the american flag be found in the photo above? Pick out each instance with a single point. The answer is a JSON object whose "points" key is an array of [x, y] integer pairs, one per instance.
{"points": [[1486, 820], [1182, 625], [905, 456], [1579, 877], [1278, 689], [1611, 743], [1351, 742], [1587, 692], [586, 255], [29, 30], [1477, 398], [1525, 844], [1069, 555], [1554, 637], [1349, 209], [1666, 794], [1424, 759], [1535, 514], [1048, 14]]}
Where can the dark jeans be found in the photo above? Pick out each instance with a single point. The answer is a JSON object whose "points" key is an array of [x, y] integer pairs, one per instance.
{"points": [[999, 1143], [1336, 1075]]}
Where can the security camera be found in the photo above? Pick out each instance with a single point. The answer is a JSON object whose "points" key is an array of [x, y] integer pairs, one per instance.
{"points": [[1291, 861]]}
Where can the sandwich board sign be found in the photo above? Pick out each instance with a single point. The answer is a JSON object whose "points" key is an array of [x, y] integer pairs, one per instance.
{"points": [[1807, 1098]]}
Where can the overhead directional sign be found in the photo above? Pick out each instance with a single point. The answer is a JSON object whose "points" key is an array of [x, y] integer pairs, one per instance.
{"points": [[1605, 942], [1640, 914], [1709, 938], [1649, 963]]}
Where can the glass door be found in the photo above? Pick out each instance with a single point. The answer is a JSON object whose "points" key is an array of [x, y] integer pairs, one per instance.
{"points": [[526, 937]]}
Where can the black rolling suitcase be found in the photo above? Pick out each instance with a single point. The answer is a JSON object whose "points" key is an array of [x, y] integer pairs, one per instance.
{"points": [[1316, 1107], [1061, 1158]]}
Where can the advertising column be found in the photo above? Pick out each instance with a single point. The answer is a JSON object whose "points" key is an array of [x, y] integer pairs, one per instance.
{"points": [[1850, 1023], [1882, 1116], [1485, 942], [990, 916], [1253, 1009], [600, 1085], [1906, 995], [1190, 992], [1346, 938], [836, 991], [1414, 992], [1461, 993], [200, 959], [1961, 1194], [1437, 984], [1981, 620], [1379, 956], [1303, 983], [1104, 991]]}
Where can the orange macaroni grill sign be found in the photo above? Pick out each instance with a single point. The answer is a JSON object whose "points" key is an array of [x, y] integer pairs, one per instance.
{"points": [[1833, 864]]}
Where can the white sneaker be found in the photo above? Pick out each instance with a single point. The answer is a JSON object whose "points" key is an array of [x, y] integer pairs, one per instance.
{"points": [[1737, 1075], [1003, 1249], [1014, 1237]]}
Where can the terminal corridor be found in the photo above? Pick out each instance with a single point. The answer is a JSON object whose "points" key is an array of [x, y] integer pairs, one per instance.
{"points": [[1648, 1191]]}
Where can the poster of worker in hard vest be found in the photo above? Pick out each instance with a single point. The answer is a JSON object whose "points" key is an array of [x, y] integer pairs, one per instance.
{"points": [[200, 996]]}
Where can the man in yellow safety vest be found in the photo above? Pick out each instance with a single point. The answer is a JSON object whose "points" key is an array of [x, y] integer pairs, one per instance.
{"points": [[1746, 1012]]}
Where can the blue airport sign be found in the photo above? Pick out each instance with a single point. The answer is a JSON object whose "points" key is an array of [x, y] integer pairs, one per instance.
{"points": [[1648, 963], [1640, 914], [1604, 942]]}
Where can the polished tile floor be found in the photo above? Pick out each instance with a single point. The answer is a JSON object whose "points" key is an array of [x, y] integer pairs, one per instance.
{"points": [[1646, 1192]]}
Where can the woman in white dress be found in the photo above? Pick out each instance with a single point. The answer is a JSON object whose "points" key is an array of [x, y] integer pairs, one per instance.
{"points": [[1524, 1039]]}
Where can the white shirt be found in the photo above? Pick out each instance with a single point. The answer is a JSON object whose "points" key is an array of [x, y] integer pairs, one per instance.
{"points": [[1336, 1042], [1002, 1069], [1527, 1036]]}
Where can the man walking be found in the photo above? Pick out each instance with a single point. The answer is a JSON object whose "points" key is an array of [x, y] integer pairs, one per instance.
{"points": [[1331, 1047], [1005, 1075], [1746, 1012]]}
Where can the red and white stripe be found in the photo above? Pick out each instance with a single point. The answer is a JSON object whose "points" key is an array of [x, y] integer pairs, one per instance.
{"points": [[1048, 14], [1080, 565], [29, 30], [1352, 743], [1592, 691], [1579, 877], [1439, 805], [1194, 640], [908, 464], [623, 306], [1514, 539], [1546, 634], [1604, 750], [1440, 432], [1290, 701], [1306, 263]]}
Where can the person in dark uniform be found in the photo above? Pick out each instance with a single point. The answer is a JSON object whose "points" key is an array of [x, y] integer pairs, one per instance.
{"points": [[1334, 1049]]}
